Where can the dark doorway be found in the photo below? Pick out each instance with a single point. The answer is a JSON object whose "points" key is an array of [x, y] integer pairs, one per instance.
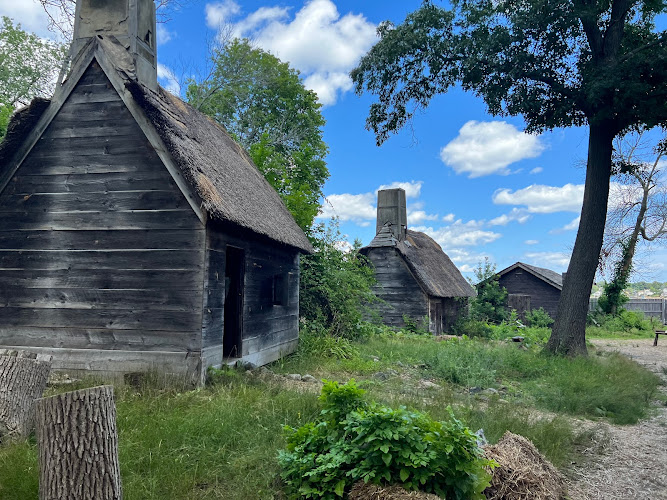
{"points": [[234, 268]]}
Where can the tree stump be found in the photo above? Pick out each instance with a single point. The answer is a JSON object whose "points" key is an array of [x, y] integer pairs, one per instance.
{"points": [[23, 377], [78, 446]]}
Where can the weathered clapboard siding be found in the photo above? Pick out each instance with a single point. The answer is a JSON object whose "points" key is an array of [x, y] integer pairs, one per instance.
{"points": [[99, 249], [265, 325], [397, 288], [542, 294]]}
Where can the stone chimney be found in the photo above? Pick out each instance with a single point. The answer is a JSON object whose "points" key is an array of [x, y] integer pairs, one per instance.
{"points": [[391, 208], [132, 22]]}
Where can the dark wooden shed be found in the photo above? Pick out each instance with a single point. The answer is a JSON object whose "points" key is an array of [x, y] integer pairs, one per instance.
{"points": [[415, 277], [135, 234], [542, 286]]}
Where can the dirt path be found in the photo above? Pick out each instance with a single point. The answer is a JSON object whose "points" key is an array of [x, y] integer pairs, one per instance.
{"points": [[630, 461]]}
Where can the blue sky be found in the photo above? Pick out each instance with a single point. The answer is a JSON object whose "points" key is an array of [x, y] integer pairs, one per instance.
{"points": [[476, 183]]}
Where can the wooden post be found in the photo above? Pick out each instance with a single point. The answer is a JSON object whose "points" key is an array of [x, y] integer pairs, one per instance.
{"points": [[78, 446], [23, 377]]}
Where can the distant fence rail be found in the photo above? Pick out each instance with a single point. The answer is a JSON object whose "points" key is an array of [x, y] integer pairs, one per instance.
{"points": [[652, 308]]}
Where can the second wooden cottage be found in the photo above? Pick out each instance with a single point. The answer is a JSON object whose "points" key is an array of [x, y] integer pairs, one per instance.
{"points": [[416, 279], [531, 287], [135, 233]]}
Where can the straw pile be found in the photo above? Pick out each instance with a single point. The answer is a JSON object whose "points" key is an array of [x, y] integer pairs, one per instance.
{"points": [[523, 473], [363, 491]]}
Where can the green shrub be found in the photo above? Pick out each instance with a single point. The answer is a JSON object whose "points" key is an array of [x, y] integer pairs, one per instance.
{"points": [[472, 328], [538, 318], [315, 340], [354, 440], [334, 284], [490, 303], [417, 327]]}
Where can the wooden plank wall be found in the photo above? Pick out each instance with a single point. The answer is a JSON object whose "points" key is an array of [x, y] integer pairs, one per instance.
{"points": [[521, 282], [99, 249], [397, 288], [265, 325]]}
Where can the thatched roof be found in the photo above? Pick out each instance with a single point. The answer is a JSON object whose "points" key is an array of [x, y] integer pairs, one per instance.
{"points": [[547, 275], [219, 171], [21, 123], [433, 269]]}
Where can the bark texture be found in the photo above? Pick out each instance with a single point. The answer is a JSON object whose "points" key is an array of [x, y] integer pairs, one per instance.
{"points": [[569, 331], [78, 446], [23, 378]]}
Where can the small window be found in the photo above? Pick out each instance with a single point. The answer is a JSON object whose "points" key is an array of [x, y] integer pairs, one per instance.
{"points": [[281, 289]]}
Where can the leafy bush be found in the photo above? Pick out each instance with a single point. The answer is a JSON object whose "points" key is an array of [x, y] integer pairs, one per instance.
{"points": [[490, 303], [472, 328], [354, 440], [539, 318], [418, 327], [335, 284]]}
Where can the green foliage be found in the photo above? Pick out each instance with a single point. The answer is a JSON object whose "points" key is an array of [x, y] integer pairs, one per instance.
{"points": [[545, 62], [490, 303], [314, 340], [335, 285], [353, 440], [612, 297], [29, 66], [538, 318], [264, 105], [472, 328], [624, 324], [417, 327]]}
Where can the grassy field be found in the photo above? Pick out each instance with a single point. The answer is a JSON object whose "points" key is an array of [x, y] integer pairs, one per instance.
{"points": [[221, 441]]}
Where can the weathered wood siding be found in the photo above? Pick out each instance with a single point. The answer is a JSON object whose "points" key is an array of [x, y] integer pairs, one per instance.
{"points": [[397, 288], [99, 249], [268, 329], [542, 294]]}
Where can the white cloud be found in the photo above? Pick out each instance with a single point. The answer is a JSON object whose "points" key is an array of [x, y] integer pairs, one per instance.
{"points": [[519, 215], [460, 234], [536, 170], [531, 242], [570, 226], [349, 207], [419, 216], [163, 34], [219, 13], [29, 13], [551, 260], [484, 148], [169, 80], [448, 218], [327, 86], [543, 199], [412, 189], [318, 41]]}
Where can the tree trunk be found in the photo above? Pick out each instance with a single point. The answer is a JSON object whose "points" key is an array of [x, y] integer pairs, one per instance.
{"points": [[78, 446], [23, 378], [569, 331]]}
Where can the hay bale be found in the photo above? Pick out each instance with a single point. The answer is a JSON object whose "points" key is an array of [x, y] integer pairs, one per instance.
{"points": [[523, 473], [363, 491]]}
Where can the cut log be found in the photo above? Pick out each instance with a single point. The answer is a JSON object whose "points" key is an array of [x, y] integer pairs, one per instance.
{"points": [[78, 446], [23, 377]]}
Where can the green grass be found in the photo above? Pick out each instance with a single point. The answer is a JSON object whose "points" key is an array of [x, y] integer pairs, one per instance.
{"points": [[222, 441]]}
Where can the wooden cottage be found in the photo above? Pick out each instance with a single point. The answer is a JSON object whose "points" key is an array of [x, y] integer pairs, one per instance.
{"points": [[415, 277], [135, 233], [531, 287]]}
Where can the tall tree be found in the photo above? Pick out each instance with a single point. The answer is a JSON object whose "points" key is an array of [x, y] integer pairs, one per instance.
{"points": [[557, 63], [264, 105], [29, 66]]}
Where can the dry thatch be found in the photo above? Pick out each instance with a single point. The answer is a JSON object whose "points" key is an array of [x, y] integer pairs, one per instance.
{"points": [[220, 172], [523, 473], [363, 491]]}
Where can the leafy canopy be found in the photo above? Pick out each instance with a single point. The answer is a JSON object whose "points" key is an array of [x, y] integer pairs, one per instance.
{"points": [[264, 105], [29, 66], [555, 62]]}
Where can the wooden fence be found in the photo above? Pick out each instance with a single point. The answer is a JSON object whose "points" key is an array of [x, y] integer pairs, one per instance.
{"points": [[655, 308]]}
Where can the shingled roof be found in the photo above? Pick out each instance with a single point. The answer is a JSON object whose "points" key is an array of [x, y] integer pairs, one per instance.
{"points": [[433, 269], [551, 277], [230, 187]]}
